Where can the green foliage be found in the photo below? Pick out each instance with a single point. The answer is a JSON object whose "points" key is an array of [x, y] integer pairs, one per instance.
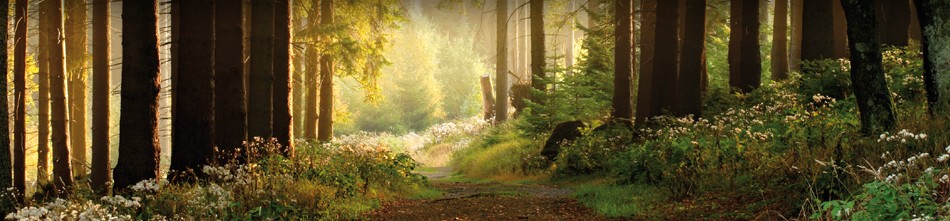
{"points": [[500, 151], [902, 69]]}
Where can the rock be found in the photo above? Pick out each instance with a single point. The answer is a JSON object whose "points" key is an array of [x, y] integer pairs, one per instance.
{"points": [[563, 133]]}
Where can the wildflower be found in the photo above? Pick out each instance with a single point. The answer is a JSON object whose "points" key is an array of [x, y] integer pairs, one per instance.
{"points": [[943, 158]]}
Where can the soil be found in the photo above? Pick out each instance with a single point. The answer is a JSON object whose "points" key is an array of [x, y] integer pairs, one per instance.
{"points": [[486, 201]]}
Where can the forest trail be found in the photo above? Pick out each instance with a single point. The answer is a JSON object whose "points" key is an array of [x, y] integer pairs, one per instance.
{"points": [[468, 200]]}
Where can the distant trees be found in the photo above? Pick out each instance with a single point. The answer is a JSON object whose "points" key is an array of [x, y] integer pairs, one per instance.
{"points": [[893, 18], [867, 74], [76, 61], [934, 16], [818, 33]]}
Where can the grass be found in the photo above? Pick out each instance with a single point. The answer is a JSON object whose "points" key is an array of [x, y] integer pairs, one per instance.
{"points": [[620, 200]]}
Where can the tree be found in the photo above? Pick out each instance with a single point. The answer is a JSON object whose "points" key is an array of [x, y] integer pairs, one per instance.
{"points": [[745, 63], [283, 84], [76, 81], [665, 61], [623, 64], [893, 19], [692, 66], [325, 123], [501, 58], [780, 41], [867, 75], [193, 124], [312, 82], [139, 148], [42, 140], [62, 173], [101, 85], [261, 84], [6, 166], [19, 96], [735, 41], [934, 16], [230, 100], [645, 101], [536, 13], [795, 49], [840, 30], [817, 30]]}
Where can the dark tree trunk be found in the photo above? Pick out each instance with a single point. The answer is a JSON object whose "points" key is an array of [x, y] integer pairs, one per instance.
{"points": [[893, 19], [665, 68], [19, 96], [501, 60], [934, 16], [42, 143], [139, 148], [913, 30], [193, 124], [818, 32], [101, 85], [623, 62], [692, 64], [735, 42], [260, 105], [325, 124], [62, 173], [6, 166], [795, 49], [230, 100], [751, 62], [780, 41], [867, 75], [841, 31], [645, 103], [76, 81], [283, 84]]}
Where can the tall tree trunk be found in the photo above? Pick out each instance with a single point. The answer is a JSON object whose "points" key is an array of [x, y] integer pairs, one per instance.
{"points": [[665, 68], [76, 82], [312, 81], [42, 140], [325, 124], [751, 64], [62, 173], [501, 65], [913, 30], [260, 103], [893, 18], [780, 41], [623, 62], [19, 96], [536, 12], [193, 124], [818, 32], [692, 65], [645, 102], [867, 75], [841, 31], [283, 84], [795, 49], [735, 42], [139, 148], [569, 35], [230, 100], [6, 166], [101, 85], [934, 16]]}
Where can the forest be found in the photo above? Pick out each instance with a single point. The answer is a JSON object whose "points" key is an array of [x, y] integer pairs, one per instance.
{"points": [[475, 110]]}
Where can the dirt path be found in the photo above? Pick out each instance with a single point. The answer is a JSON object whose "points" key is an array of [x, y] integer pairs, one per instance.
{"points": [[487, 201]]}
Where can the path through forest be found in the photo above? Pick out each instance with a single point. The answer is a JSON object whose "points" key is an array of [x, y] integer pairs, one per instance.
{"points": [[466, 200]]}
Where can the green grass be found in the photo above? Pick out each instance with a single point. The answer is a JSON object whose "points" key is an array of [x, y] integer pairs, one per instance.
{"points": [[619, 200], [427, 193]]}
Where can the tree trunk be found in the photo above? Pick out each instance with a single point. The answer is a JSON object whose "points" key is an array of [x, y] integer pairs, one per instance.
{"points": [[488, 100], [913, 30], [230, 100], [818, 32], [139, 148], [751, 61], [934, 15], [283, 84], [645, 102], [841, 31], [260, 105], [19, 96], [313, 79], [735, 42], [795, 49], [62, 173], [193, 124], [569, 42], [623, 62], [893, 19], [76, 81], [6, 166], [867, 75], [665, 68], [780, 41], [325, 124], [101, 85], [501, 65], [42, 140], [692, 64]]}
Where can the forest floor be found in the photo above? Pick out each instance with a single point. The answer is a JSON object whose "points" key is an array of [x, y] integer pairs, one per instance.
{"points": [[458, 198]]}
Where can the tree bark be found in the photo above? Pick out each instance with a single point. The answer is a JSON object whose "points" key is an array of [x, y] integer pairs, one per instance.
{"points": [[934, 16], [623, 62], [6, 165], [488, 100], [867, 75], [665, 61], [312, 81], [325, 124], [62, 173], [841, 31], [283, 84], [76, 83], [139, 148], [795, 49], [193, 124], [913, 29], [501, 65], [780, 41], [101, 85], [230, 100], [42, 140], [692, 64], [261, 84], [735, 42], [751, 62], [645, 102], [893, 19], [19, 96], [818, 32]]}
